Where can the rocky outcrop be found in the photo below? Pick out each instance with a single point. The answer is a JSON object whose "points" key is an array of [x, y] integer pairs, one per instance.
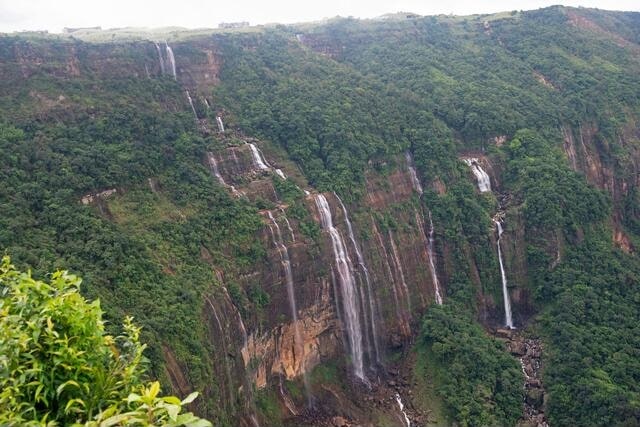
{"points": [[590, 153]]}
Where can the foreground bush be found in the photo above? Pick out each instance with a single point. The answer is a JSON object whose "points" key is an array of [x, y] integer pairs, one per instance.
{"points": [[58, 367]]}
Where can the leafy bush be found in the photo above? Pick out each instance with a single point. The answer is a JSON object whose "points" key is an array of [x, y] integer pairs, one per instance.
{"points": [[59, 367]]}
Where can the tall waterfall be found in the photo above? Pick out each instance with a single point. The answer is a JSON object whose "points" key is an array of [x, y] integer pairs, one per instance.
{"points": [[431, 254], [413, 174], [220, 124], [347, 287], [162, 67], [370, 296], [281, 174], [283, 253], [172, 60], [484, 183], [258, 159], [191, 104], [505, 290]]}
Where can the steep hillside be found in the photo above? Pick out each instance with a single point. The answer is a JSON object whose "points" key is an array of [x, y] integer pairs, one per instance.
{"points": [[355, 222]]}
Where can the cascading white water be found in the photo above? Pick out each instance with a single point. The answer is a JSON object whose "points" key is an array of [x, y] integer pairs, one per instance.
{"points": [[432, 264], [213, 165], [206, 102], [347, 287], [286, 221], [413, 174], [162, 67], [400, 271], [505, 290], [484, 183], [191, 104], [283, 253], [404, 414], [220, 124], [281, 174], [363, 267], [172, 60], [258, 159]]}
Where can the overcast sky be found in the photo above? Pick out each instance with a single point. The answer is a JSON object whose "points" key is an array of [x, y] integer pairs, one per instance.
{"points": [[53, 15]]}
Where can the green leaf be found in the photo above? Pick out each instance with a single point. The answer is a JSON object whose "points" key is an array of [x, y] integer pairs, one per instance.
{"points": [[190, 398]]}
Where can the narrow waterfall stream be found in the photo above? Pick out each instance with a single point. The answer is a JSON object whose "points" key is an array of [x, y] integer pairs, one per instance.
{"points": [[213, 165], [172, 60], [432, 264], [191, 104], [370, 295], [505, 290], [415, 181], [348, 289], [404, 414], [258, 159], [283, 253], [484, 183], [162, 66], [220, 124]]}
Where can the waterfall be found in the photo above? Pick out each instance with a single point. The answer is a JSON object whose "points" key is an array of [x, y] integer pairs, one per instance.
{"points": [[258, 159], [191, 104], [224, 352], [404, 414], [206, 101], [396, 260], [286, 221], [162, 67], [171, 59], [484, 183], [505, 290], [213, 165], [432, 264], [220, 125], [281, 174], [412, 173], [283, 252], [347, 287], [363, 267], [214, 168], [401, 317]]}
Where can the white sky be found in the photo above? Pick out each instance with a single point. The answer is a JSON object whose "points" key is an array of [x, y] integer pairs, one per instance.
{"points": [[53, 15]]}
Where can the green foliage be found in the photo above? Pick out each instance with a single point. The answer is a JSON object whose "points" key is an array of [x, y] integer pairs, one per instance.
{"points": [[59, 367], [481, 384]]}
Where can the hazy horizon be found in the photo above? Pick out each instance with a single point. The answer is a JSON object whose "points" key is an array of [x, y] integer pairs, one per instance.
{"points": [[53, 16]]}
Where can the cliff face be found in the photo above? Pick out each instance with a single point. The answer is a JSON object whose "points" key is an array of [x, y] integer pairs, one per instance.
{"points": [[304, 320], [611, 165]]}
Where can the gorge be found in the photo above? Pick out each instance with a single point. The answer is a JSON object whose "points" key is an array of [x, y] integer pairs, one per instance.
{"points": [[303, 220]]}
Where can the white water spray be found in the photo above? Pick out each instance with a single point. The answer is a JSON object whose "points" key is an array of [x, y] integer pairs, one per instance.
{"points": [[281, 174], [484, 183], [191, 104], [505, 290], [413, 174], [363, 267], [162, 67], [220, 124], [432, 265], [283, 252], [258, 159], [172, 60], [404, 414], [347, 286]]}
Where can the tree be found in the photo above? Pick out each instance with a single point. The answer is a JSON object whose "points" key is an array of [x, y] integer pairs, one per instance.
{"points": [[59, 367]]}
